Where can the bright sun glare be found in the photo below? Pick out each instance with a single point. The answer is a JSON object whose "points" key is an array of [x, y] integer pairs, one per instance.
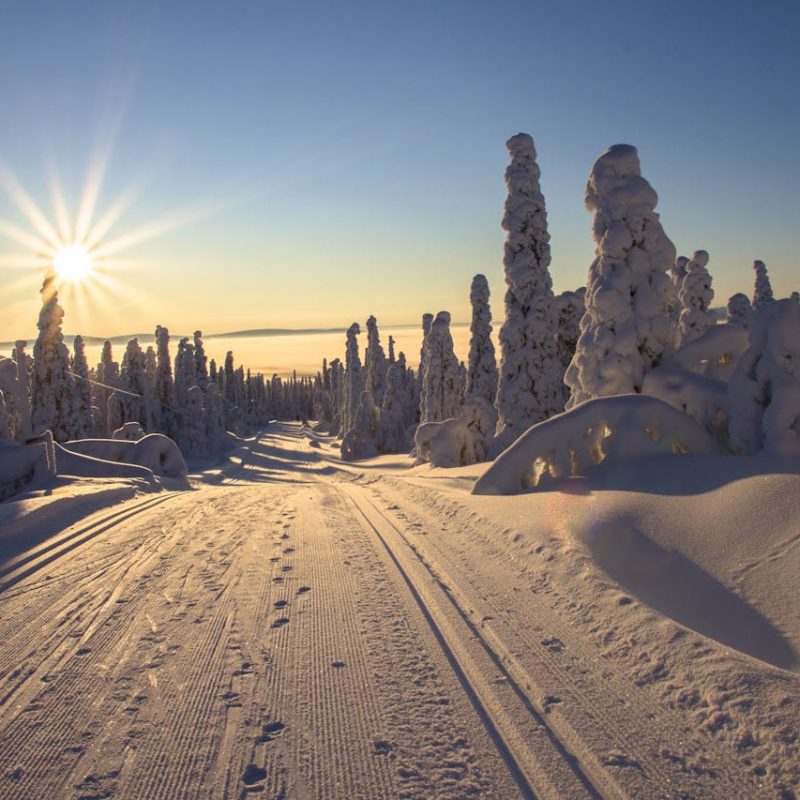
{"points": [[72, 263]]}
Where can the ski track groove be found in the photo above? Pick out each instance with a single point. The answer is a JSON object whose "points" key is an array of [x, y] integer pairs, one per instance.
{"points": [[617, 738]]}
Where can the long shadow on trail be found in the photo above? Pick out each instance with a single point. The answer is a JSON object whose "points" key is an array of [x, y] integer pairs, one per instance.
{"points": [[672, 584]]}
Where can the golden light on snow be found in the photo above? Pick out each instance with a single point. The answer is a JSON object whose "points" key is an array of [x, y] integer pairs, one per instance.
{"points": [[72, 263]]}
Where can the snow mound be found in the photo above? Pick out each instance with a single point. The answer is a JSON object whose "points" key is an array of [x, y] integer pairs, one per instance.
{"points": [[156, 452], [609, 428]]}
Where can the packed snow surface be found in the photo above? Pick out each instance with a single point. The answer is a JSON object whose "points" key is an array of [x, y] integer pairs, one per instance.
{"points": [[294, 626]]}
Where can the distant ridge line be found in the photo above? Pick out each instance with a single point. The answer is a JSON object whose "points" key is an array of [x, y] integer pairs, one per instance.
{"points": [[124, 339]]}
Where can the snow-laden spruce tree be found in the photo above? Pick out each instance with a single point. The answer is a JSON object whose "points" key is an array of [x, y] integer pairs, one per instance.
{"points": [[482, 365], [530, 387], [163, 382], [427, 321], [739, 310], [441, 395], [678, 273], [570, 307], [5, 422], [353, 380], [136, 401], [361, 439], [695, 298], [375, 363], [215, 418], [397, 412], [762, 292], [200, 360], [391, 355], [764, 390], [84, 423], [53, 394], [627, 328]]}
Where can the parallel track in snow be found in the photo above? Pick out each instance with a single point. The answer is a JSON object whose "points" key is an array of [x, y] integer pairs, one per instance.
{"points": [[519, 731], [29, 562]]}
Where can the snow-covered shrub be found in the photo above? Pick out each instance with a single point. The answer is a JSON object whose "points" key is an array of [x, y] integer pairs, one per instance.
{"points": [[361, 440], [713, 354], [459, 441], [695, 298], [155, 451], [704, 399], [628, 327], [53, 396], [740, 310], [441, 395], [25, 464], [530, 386], [129, 432], [764, 390], [612, 429], [762, 292]]}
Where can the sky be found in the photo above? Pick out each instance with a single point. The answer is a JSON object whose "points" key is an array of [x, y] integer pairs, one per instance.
{"points": [[298, 164]]}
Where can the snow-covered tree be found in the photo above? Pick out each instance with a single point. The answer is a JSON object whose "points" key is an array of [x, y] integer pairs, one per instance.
{"points": [[84, 424], [163, 382], [361, 439], [441, 384], [739, 310], [764, 390], [5, 422], [137, 399], [762, 292], [530, 387], [391, 356], [200, 360], [195, 430], [482, 369], [427, 321], [570, 307], [107, 372], [53, 396], [695, 298], [353, 380], [375, 363], [397, 411], [627, 328], [215, 418], [678, 273]]}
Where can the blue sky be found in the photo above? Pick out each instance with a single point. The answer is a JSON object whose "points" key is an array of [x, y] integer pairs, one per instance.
{"points": [[348, 158]]}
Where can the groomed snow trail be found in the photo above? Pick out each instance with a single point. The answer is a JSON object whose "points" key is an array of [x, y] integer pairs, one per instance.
{"points": [[302, 631]]}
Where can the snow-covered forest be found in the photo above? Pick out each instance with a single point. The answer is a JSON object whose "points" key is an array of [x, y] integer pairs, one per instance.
{"points": [[640, 383]]}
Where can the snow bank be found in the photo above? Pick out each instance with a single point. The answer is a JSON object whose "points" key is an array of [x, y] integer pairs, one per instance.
{"points": [[23, 464], [614, 428], [156, 452]]}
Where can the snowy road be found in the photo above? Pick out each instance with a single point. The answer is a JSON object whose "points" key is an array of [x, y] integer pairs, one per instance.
{"points": [[303, 631]]}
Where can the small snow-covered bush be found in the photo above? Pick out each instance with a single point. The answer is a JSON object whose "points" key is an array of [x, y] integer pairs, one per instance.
{"points": [[764, 390], [607, 428], [713, 354], [458, 441], [155, 451], [695, 298]]}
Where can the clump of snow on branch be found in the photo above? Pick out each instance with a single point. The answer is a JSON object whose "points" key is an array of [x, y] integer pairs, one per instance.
{"points": [[609, 429], [695, 298], [628, 326], [530, 387]]}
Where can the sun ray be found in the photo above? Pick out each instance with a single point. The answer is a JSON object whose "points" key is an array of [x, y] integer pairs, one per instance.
{"points": [[27, 206], [59, 206], [22, 237], [166, 224]]}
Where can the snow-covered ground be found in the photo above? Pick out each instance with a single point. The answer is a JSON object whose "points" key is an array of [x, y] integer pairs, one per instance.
{"points": [[293, 626]]}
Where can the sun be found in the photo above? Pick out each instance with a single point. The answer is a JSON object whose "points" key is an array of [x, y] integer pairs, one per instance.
{"points": [[72, 263]]}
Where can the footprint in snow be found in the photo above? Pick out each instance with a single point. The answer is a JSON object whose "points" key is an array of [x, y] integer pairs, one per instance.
{"points": [[281, 603], [271, 731], [280, 622], [303, 589], [253, 774]]}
